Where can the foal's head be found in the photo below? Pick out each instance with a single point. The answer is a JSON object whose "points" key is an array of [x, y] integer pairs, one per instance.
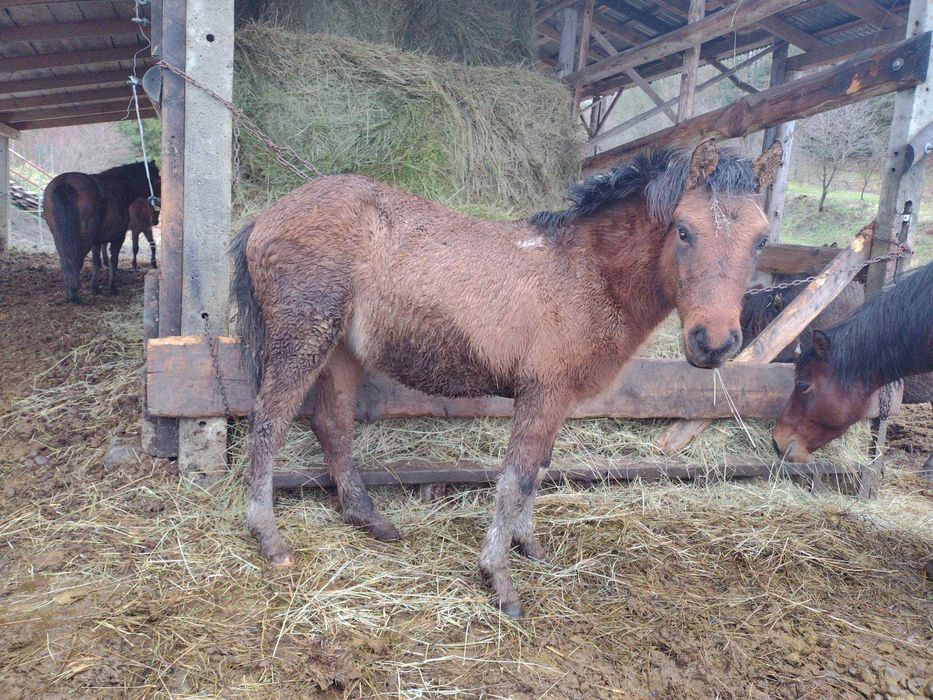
{"points": [[715, 230], [822, 406]]}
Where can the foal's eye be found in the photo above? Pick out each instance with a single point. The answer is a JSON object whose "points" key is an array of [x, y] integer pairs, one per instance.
{"points": [[762, 242], [683, 233], [803, 387]]}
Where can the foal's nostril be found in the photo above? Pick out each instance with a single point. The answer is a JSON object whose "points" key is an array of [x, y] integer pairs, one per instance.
{"points": [[699, 340]]}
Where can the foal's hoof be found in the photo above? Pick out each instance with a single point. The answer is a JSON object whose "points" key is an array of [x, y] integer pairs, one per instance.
{"points": [[532, 549], [384, 531], [511, 608], [281, 559], [134, 267], [114, 292]]}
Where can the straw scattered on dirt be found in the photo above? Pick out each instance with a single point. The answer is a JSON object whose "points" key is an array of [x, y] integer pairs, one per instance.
{"points": [[120, 582]]}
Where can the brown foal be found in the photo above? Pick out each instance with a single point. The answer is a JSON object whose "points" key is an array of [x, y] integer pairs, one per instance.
{"points": [[347, 273]]}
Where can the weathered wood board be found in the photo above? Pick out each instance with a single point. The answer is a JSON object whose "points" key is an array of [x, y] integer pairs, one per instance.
{"points": [[181, 382]]}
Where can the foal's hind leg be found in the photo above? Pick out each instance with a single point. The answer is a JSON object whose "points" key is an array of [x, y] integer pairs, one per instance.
{"points": [[95, 268], [114, 256], [135, 249], [152, 250], [297, 344], [332, 422], [537, 420]]}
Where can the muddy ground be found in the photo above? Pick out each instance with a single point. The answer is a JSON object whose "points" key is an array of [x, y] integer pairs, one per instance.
{"points": [[119, 583]]}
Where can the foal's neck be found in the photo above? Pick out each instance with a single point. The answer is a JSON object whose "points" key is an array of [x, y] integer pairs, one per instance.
{"points": [[628, 249]]}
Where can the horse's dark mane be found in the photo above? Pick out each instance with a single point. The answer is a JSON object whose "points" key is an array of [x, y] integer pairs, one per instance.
{"points": [[659, 175], [889, 338]]}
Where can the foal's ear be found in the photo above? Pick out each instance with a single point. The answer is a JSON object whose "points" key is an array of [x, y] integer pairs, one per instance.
{"points": [[821, 345], [702, 163], [766, 165]]}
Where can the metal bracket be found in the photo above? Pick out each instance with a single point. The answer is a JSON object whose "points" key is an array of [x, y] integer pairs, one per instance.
{"points": [[918, 148]]}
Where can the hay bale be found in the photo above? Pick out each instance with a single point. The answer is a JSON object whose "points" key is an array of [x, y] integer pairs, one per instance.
{"points": [[487, 137], [474, 32]]}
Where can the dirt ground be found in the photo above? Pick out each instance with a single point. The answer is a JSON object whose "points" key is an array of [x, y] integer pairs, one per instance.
{"points": [[118, 582]]}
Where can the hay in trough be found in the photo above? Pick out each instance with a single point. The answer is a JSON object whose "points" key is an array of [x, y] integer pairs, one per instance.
{"points": [[490, 138], [474, 32]]}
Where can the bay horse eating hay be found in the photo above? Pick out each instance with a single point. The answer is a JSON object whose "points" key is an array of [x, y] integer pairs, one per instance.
{"points": [[86, 212], [346, 273], [889, 338]]}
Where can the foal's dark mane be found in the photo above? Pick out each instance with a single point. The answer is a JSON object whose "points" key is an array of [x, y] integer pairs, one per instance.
{"points": [[889, 338], [659, 175]]}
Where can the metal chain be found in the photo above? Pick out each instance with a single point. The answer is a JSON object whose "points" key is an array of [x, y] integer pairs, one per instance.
{"points": [[903, 251], [212, 344], [241, 121]]}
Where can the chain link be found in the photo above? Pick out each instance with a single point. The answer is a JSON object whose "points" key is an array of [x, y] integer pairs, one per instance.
{"points": [[903, 251], [215, 360]]}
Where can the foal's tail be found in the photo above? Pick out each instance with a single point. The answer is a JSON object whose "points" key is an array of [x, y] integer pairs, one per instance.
{"points": [[249, 325], [67, 219]]}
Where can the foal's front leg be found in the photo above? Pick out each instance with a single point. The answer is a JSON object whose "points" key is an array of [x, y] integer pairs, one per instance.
{"points": [[114, 256], [537, 419]]}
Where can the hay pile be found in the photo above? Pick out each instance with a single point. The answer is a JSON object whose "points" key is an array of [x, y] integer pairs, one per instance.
{"points": [[485, 139], [474, 32]]}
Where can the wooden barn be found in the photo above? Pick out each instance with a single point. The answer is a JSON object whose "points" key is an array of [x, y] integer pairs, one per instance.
{"points": [[68, 62]]}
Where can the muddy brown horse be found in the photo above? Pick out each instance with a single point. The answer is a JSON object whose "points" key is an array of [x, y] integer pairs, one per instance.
{"points": [[142, 218], [888, 339], [86, 212], [347, 273]]}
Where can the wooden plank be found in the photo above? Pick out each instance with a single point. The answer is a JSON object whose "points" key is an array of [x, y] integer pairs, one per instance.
{"points": [[838, 52], [181, 382], [81, 119], [791, 34], [871, 12], [8, 131], [552, 9], [710, 27], [202, 441], [782, 330], [866, 75], [68, 30], [59, 99], [5, 198], [568, 41], [791, 259], [777, 192], [615, 471], [55, 82], [173, 194], [67, 58], [156, 441], [734, 79], [688, 78], [103, 107], [595, 142], [898, 206]]}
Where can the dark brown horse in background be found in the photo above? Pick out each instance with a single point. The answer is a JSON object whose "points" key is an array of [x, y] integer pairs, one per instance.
{"points": [[888, 339], [85, 212], [347, 273]]}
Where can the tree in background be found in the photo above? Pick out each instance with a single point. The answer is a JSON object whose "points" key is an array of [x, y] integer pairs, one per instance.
{"points": [[152, 132], [847, 135]]}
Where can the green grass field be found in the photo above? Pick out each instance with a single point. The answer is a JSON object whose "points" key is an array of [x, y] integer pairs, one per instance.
{"points": [[845, 213]]}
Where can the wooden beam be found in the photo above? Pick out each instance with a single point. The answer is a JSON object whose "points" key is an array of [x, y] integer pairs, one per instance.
{"points": [[789, 324], [8, 131], [181, 382], [202, 441], [869, 74], [65, 98], [734, 79], [616, 130], [55, 82], [709, 27], [81, 119], [69, 30], [102, 107], [568, 41], [68, 58], [790, 259], [790, 33], [410, 473], [688, 78], [871, 12], [552, 9], [777, 192], [585, 19], [650, 92], [838, 52], [5, 197]]}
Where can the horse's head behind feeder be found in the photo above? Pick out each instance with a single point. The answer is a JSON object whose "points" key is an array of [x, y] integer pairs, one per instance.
{"points": [[716, 231]]}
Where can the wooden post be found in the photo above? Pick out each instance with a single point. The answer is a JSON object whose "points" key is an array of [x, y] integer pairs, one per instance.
{"points": [[899, 204], [568, 41], [688, 78], [585, 14], [777, 193], [4, 193], [208, 163], [170, 46]]}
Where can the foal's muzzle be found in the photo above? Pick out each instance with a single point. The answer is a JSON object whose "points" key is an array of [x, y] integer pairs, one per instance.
{"points": [[701, 352]]}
